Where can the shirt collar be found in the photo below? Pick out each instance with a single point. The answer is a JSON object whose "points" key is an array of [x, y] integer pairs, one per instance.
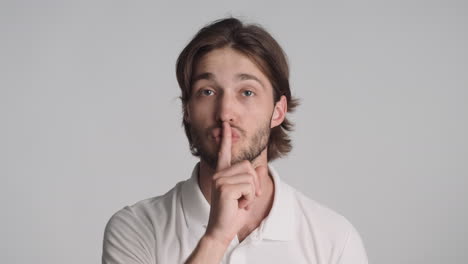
{"points": [[196, 207], [278, 225]]}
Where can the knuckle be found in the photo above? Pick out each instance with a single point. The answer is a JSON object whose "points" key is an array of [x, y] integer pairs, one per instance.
{"points": [[223, 188], [251, 179], [249, 169], [251, 175], [252, 171], [246, 163], [218, 183], [252, 189]]}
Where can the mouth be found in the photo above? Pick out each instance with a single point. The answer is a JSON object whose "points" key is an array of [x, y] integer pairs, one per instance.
{"points": [[219, 138], [216, 134]]}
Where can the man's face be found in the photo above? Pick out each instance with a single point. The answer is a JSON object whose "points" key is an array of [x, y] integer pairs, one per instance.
{"points": [[228, 86]]}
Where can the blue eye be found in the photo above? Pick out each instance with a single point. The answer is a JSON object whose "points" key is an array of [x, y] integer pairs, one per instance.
{"points": [[248, 93]]}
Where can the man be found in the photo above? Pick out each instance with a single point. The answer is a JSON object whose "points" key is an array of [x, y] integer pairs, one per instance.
{"points": [[234, 80]]}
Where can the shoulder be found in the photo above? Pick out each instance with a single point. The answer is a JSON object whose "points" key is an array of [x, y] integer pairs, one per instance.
{"points": [[329, 228], [147, 211], [130, 233], [315, 212]]}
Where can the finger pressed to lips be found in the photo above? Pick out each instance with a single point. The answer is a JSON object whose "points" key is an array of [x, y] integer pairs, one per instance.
{"points": [[224, 156], [241, 173], [219, 139], [218, 132]]}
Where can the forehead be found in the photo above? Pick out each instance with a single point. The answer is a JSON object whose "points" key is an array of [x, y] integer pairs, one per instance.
{"points": [[228, 62]]}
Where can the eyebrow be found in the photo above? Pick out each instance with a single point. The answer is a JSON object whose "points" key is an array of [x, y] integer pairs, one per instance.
{"points": [[246, 76], [241, 77], [204, 76]]}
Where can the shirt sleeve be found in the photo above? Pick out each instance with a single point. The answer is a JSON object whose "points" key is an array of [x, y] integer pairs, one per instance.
{"points": [[127, 240], [353, 251]]}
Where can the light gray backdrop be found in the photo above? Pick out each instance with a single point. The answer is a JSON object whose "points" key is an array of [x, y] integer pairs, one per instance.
{"points": [[90, 120]]}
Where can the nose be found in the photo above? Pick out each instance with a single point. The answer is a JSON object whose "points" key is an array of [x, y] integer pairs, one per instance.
{"points": [[226, 108]]}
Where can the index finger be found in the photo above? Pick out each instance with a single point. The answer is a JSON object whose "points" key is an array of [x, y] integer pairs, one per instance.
{"points": [[224, 154]]}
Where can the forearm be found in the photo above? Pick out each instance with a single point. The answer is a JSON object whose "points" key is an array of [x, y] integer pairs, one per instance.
{"points": [[208, 251]]}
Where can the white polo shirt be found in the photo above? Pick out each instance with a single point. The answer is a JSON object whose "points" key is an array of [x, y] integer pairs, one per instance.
{"points": [[166, 229]]}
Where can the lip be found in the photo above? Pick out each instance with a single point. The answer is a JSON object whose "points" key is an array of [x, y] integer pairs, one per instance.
{"points": [[216, 134], [218, 139]]}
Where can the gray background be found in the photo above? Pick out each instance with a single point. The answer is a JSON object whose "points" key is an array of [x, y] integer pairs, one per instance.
{"points": [[90, 119]]}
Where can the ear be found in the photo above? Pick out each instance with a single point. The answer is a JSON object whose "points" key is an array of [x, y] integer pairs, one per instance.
{"points": [[279, 112], [187, 114]]}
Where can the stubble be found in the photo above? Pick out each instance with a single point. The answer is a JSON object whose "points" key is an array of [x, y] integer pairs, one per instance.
{"points": [[255, 145]]}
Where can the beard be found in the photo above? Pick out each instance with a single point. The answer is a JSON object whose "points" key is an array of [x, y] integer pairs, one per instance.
{"points": [[255, 145]]}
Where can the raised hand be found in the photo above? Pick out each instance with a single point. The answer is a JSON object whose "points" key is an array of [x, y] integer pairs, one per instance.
{"points": [[234, 189]]}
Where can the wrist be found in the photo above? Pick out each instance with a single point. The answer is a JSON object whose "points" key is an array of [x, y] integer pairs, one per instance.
{"points": [[208, 251], [215, 242]]}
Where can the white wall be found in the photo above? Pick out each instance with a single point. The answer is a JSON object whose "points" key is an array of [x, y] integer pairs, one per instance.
{"points": [[90, 119]]}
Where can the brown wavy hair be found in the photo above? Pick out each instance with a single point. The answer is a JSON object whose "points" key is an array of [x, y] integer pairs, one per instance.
{"points": [[257, 44]]}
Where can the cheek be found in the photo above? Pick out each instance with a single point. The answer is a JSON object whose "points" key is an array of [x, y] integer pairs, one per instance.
{"points": [[201, 112], [259, 108]]}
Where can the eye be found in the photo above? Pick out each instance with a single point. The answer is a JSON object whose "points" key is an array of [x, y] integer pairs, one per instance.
{"points": [[206, 92], [248, 93]]}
